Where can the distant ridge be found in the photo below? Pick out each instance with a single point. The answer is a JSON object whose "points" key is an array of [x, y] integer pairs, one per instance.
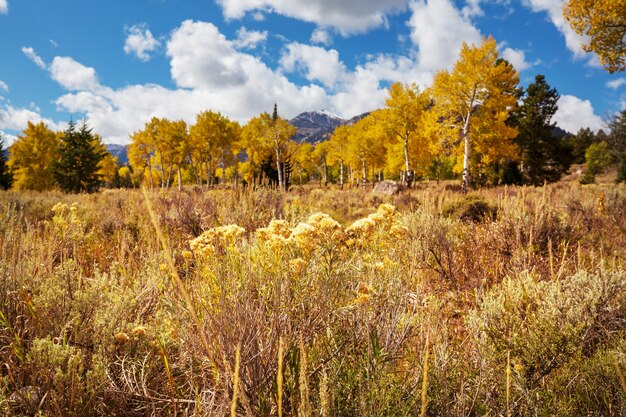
{"points": [[121, 151], [317, 126]]}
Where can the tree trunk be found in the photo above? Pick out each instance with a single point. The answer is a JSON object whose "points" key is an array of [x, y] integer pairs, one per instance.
{"points": [[180, 179], [325, 173], [341, 174], [466, 153], [151, 179], [281, 180], [408, 177], [364, 173], [209, 173]]}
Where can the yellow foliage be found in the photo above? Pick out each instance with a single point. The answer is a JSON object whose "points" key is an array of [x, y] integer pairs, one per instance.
{"points": [[472, 104], [603, 23], [31, 156]]}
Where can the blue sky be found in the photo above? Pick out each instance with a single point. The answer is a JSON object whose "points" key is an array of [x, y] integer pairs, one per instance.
{"points": [[117, 63]]}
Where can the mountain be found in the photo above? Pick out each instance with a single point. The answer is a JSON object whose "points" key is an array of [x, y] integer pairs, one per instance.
{"points": [[121, 151], [313, 126], [317, 126]]}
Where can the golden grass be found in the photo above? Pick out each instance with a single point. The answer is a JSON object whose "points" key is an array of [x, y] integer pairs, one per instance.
{"points": [[321, 297]]}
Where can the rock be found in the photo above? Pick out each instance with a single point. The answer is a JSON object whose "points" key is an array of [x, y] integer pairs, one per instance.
{"points": [[26, 400], [388, 187]]}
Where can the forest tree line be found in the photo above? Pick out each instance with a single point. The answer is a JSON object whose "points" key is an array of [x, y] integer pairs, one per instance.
{"points": [[474, 122]]}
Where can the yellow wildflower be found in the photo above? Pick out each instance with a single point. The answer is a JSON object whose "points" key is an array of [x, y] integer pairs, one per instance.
{"points": [[139, 331], [297, 266], [362, 227], [121, 338]]}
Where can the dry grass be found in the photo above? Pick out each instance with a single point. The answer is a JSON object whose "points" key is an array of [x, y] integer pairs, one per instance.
{"points": [[510, 300]]}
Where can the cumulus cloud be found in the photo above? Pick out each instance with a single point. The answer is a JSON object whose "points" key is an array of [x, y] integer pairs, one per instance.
{"points": [[208, 71], [575, 113], [140, 42], [73, 75], [317, 64], [16, 118], [438, 29], [347, 16], [472, 8], [321, 36], [4, 7], [4, 86], [517, 58], [32, 55], [249, 39], [617, 83]]}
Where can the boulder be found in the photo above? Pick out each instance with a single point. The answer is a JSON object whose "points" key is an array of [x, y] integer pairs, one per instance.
{"points": [[388, 187]]}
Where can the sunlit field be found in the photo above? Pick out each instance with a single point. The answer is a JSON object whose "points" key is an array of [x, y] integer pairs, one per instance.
{"points": [[509, 301]]}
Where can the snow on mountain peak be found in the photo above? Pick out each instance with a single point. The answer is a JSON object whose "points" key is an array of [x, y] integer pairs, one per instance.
{"points": [[328, 114]]}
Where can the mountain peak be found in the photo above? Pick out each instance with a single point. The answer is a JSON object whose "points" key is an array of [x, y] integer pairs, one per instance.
{"points": [[317, 126]]}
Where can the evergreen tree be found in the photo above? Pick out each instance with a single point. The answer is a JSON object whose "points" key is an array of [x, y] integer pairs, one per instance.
{"points": [[6, 179], [617, 138], [544, 157], [80, 153], [579, 144]]}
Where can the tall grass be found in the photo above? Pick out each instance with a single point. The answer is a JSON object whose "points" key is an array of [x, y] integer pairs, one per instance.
{"points": [[314, 302]]}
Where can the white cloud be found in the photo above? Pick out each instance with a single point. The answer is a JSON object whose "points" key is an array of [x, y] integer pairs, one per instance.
{"points": [[321, 36], [73, 75], [249, 39], [617, 83], [472, 8], [140, 42], [316, 63], [554, 9], [16, 119], [4, 86], [347, 16], [7, 139], [32, 55], [575, 113], [4, 7], [516, 57], [438, 29]]}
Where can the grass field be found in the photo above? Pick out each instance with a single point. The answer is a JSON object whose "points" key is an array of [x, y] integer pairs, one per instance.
{"points": [[317, 302]]}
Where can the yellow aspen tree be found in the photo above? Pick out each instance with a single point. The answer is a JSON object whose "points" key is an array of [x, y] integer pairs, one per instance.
{"points": [[473, 102], [402, 116], [338, 150], [31, 157], [603, 23], [212, 139], [176, 135], [268, 136], [140, 152], [366, 145]]}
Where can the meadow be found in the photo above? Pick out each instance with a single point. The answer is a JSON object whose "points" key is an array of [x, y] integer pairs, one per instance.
{"points": [[508, 301]]}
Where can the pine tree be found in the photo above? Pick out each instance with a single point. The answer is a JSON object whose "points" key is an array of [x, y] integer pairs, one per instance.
{"points": [[544, 156], [80, 152], [6, 179]]}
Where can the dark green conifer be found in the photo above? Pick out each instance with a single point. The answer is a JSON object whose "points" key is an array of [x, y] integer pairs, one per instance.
{"points": [[544, 156], [80, 151], [6, 179]]}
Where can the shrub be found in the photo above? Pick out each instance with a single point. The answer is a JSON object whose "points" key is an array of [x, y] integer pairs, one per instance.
{"points": [[546, 327]]}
